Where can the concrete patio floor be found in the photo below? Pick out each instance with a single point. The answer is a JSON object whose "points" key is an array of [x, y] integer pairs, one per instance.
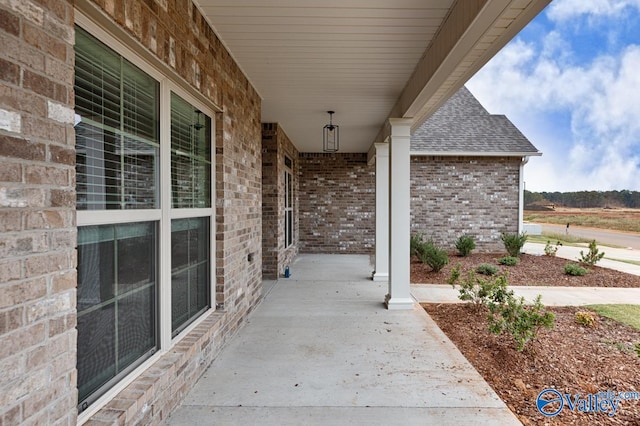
{"points": [[321, 349]]}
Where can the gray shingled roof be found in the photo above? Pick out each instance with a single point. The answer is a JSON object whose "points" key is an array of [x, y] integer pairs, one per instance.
{"points": [[462, 125]]}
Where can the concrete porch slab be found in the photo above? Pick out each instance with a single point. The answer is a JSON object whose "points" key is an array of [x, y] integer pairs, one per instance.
{"points": [[321, 349]]}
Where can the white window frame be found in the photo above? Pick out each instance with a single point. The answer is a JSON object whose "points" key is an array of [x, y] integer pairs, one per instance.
{"points": [[165, 213]]}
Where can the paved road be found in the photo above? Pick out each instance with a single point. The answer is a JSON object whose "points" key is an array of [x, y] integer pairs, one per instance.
{"points": [[603, 236]]}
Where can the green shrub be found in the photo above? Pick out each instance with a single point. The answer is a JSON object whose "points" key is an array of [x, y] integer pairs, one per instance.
{"points": [[521, 321], [574, 270], [513, 243], [477, 290], [465, 244], [509, 261], [585, 318], [487, 269], [551, 250], [593, 256], [636, 348], [433, 256], [415, 243]]}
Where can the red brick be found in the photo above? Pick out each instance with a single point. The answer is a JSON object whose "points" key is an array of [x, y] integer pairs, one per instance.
{"points": [[9, 72], [44, 86], [63, 155], [46, 264], [22, 101], [9, 23], [10, 220], [63, 198], [45, 129], [10, 172], [21, 148], [13, 294], [45, 175], [10, 270]]}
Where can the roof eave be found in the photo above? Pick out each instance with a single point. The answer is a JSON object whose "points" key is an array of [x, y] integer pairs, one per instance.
{"points": [[475, 154]]}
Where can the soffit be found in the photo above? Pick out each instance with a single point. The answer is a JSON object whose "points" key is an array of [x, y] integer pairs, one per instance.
{"points": [[364, 59]]}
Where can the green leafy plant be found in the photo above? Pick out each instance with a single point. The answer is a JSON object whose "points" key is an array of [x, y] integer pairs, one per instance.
{"points": [[465, 244], [551, 250], [521, 321], [415, 244], [477, 290], [487, 269], [636, 348], [513, 243], [509, 261], [593, 256], [585, 318], [433, 256], [574, 270]]}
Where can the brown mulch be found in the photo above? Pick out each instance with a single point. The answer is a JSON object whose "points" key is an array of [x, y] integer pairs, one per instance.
{"points": [[570, 358], [532, 270]]}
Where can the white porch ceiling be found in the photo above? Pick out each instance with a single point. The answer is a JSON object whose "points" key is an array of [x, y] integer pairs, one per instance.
{"points": [[365, 59]]}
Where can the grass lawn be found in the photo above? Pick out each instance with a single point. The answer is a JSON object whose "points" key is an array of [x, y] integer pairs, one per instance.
{"points": [[627, 314]]}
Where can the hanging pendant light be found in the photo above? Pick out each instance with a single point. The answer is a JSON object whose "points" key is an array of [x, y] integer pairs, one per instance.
{"points": [[331, 135]]}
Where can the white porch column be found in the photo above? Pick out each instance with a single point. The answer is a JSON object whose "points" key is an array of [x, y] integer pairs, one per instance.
{"points": [[382, 212], [399, 296]]}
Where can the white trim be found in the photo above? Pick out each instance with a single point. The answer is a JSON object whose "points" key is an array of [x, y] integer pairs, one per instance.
{"points": [[474, 154], [382, 212], [187, 213], [109, 217], [525, 160]]}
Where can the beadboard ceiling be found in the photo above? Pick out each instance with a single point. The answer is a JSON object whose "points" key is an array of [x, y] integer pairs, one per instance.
{"points": [[367, 60]]}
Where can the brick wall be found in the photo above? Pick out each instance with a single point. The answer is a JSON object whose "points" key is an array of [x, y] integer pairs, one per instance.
{"points": [[37, 220], [37, 206], [477, 196], [337, 203], [275, 145]]}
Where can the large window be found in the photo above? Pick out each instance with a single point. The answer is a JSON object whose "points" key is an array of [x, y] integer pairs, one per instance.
{"points": [[144, 237]]}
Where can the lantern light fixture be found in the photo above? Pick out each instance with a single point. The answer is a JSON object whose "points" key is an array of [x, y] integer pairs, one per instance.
{"points": [[331, 135]]}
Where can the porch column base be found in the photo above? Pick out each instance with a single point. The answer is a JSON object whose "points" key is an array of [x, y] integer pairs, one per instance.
{"points": [[397, 303], [380, 277]]}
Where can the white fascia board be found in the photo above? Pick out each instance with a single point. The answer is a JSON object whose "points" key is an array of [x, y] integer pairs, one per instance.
{"points": [[474, 154]]}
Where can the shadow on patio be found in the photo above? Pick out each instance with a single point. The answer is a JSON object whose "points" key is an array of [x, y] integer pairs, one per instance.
{"points": [[321, 349]]}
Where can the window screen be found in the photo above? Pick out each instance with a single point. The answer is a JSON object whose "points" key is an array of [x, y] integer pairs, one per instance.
{"points": [[190, 270], [116, 303], [117, 141]]}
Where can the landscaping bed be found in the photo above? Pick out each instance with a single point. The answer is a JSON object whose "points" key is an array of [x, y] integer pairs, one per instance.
{"points": [[532, 270], [571, 358]]}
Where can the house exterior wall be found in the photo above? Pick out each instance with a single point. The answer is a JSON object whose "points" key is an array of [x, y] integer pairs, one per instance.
{"points": [[275, 146], [37, 220], [37, 206], [337, 203], [476, 196]]}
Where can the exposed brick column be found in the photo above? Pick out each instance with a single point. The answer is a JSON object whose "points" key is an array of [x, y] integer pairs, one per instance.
{"points": [[37, 214]]}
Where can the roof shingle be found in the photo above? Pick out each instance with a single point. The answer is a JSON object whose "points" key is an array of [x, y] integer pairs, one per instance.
{"points": [[462, 125]]}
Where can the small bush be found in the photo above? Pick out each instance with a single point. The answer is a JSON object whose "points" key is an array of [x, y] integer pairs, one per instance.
{"points": [[465, 245], [521, 321], [433, 256], [513, 243], [636, 348], [551, 250], [477, 290], [585, 318], [593, 256], [574, 270], [509, 261], [487, 269], [415, 243]]}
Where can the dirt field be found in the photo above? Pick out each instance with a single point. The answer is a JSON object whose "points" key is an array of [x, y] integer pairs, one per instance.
{"points": [[616, 219]]}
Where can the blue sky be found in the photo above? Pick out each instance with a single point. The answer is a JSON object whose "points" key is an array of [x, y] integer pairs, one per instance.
{"points": [[570, 81]]}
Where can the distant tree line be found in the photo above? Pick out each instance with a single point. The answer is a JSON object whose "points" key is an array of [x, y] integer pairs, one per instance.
{"points": [[584, 199]]}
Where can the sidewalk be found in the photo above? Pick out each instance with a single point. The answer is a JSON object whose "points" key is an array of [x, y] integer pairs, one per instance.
{"points": [[554, 296], [322, 350]]}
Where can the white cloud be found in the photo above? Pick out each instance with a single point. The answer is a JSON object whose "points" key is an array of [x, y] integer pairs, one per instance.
{"points": [[537, 83], [563, 10]]}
